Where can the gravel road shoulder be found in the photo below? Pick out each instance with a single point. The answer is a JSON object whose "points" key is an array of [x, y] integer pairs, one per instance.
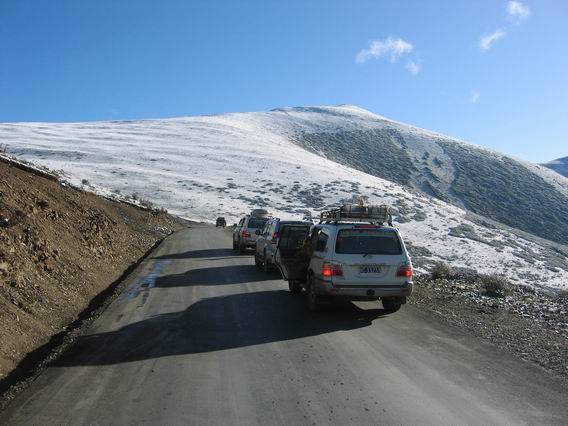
{"points": [[529, 324]]}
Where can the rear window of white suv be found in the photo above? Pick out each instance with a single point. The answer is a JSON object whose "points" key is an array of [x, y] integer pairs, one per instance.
{"points": [[368, 241], [257, 223]]}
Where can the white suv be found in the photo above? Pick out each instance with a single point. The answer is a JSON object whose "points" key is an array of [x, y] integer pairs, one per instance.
{"points": [[244, 233], [349, 255]]}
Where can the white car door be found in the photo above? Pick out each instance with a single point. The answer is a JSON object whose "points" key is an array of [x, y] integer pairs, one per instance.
{"points": [[319, 239], [261, 241]]}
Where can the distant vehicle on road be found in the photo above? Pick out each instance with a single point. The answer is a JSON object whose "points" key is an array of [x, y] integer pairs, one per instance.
{"points": [[267, 238], [350, 254], [221, 222], [244, 233]]}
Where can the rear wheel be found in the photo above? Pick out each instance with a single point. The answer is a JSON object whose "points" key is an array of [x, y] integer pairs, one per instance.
{"points": [[257, 261], [241, 247], [391, 305], [294, 287], [234, 244], [313, 298], [265, 264]]}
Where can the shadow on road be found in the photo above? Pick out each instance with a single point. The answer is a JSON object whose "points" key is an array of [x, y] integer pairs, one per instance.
{"points": [[219, 275], [215, 324], [197, 254]]}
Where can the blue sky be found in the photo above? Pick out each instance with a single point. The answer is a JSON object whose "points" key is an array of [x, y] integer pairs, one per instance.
{"points": [[492, 72]]}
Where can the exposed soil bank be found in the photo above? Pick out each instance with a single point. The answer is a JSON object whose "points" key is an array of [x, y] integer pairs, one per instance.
{"points": [[59, 249]]}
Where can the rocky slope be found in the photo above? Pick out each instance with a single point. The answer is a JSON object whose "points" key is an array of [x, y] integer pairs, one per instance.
{"points": [[59, 248]]}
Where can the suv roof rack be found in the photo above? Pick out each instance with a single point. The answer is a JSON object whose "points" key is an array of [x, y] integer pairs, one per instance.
{"points": [[358, 213]]}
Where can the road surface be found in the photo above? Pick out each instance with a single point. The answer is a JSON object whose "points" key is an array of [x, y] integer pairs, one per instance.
{"points": [[201, 336]]}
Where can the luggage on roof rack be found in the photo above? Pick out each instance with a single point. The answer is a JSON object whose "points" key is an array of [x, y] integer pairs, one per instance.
{"points": [[259, 213], [358, 213]]}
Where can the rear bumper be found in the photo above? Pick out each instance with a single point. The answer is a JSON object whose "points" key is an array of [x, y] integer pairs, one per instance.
{"points": [[327, 288], [249, 243]]}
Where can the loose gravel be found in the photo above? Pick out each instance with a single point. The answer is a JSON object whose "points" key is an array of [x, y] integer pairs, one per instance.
{"points": [[527, 323]]}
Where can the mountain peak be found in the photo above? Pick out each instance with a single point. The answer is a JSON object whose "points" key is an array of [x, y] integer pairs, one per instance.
{"points": [[563, 160], [326, 109], [560, 165]]}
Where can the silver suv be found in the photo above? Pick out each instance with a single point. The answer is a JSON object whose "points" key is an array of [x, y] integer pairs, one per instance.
{"points": [[244, 233], [267, 238], [350, 254]]}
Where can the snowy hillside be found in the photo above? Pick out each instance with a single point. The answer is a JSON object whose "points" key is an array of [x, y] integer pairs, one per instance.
{"points": [[559, 165], [485, 182], [204, 167]]}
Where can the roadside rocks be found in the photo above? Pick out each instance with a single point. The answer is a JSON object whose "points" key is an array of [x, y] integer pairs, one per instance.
{"points": [[527, 322]]}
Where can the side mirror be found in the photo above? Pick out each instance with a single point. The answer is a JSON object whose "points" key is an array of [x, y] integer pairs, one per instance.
{"points": [[257, 232]]}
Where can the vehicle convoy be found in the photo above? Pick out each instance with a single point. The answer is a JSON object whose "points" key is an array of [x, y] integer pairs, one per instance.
{"points": [[244, 233], [267, 238], [220, 222], [350, 254]]}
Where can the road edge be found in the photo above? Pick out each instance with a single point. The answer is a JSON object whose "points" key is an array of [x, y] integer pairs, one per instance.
{"points": [[37, 361]]}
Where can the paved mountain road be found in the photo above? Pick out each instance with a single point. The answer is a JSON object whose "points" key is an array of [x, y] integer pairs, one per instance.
{"points": [[202, 337]]}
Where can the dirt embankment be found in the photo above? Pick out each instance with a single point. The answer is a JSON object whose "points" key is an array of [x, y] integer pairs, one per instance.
{"points": [[59, 248]]}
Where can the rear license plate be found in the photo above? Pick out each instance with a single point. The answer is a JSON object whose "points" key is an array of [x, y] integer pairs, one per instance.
{"points": [[369, 269]]}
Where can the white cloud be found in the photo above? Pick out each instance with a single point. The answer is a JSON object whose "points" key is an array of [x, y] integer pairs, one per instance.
{"points": [[392, 47], [517, 10], [487, 41], [474, 96], [413, 67]]}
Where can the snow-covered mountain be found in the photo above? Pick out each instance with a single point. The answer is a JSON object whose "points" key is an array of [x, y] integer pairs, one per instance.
{"points": [[485, 182], [297, 160], [559, 165]]}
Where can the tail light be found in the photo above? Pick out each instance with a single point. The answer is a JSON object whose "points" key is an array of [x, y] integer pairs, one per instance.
{"points": [[246, 234], [275, 237], [331, 270], [404, 271]]}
